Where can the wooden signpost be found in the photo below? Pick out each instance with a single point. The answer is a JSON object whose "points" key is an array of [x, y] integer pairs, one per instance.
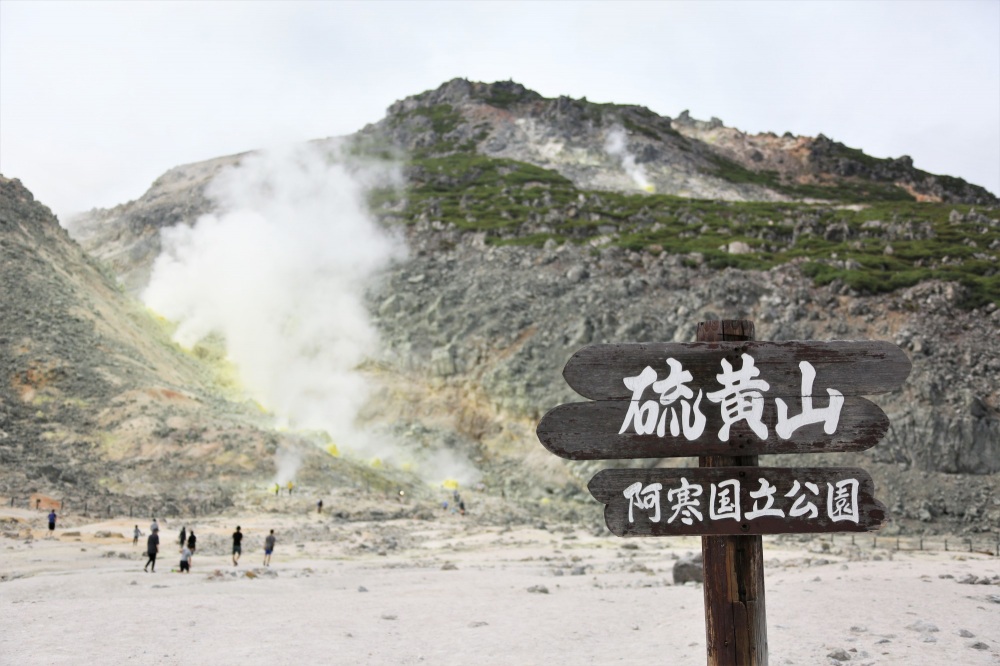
{"points": [[726, 399]]}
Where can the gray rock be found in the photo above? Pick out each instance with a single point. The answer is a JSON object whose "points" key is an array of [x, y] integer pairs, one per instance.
{"points": [[923, 627], [840, 654], [538, 589], [689, 568]]}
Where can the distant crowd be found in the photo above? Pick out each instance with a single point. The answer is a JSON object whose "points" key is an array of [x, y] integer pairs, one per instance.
{"points": [[188, 544]]}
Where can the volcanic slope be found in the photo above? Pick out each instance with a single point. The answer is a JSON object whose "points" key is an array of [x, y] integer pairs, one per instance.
{"points": [[97, 404], [531, 234]]}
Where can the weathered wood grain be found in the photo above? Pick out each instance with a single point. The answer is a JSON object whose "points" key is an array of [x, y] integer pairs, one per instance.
{"points": [[608, 487], [735, 608], [853, 367], [589, 431]]}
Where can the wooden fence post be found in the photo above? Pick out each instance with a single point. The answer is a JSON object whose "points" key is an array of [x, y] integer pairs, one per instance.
{"points": [[735, 621]]}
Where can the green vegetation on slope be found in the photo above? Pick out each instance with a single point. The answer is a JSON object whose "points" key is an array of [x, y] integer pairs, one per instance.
{"points": [[876, 247]]}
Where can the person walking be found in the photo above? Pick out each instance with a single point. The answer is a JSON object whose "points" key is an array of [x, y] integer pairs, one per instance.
{"points": [[154, 526], [268, 548], [319, 506], [152, 548], [52, 521], [237, 545], [192, 541], [183, 539], [135, 535], [185, 560]]}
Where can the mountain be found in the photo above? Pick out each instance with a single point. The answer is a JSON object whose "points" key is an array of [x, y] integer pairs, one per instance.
{"points": [[536, 226]]}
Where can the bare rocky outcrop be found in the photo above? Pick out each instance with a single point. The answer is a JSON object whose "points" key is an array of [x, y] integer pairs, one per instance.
{"points": [[504, 320]]}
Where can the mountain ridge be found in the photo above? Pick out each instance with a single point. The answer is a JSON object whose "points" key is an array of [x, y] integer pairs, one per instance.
{"points": [[507, 120]]}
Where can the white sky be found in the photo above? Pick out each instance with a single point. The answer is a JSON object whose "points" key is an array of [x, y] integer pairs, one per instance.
{"points": [[98, 99]]}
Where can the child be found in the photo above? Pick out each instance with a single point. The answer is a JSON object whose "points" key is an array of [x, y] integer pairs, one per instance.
{"points": [[186, 560], [135, 535]]}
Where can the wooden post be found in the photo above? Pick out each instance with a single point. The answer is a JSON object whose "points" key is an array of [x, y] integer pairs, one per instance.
{"points": [[735, 621]]}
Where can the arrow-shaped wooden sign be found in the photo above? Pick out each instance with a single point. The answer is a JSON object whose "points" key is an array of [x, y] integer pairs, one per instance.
{"points": [[728, 398], [853, 367]]}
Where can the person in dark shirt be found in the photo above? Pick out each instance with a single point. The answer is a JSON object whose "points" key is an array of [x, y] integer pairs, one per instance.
{"points": [[192, 540], [237, 545], [152, 547], [268, 548], [183, 538], [52, 521]]}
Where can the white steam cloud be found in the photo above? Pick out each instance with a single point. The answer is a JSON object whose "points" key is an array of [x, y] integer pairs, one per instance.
{"points": [[287, 463], [279, 275], [616, 145]]}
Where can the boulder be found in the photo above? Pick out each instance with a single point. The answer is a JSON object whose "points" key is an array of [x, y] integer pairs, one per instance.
{"points": [[689, 568]]}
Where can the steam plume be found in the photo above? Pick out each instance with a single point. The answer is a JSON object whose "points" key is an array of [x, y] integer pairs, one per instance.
{"points": [[616, 145], [279, 275], [287, 463]]}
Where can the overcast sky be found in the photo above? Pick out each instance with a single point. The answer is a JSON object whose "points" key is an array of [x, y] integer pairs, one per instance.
{"points": [[98, 99]]}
